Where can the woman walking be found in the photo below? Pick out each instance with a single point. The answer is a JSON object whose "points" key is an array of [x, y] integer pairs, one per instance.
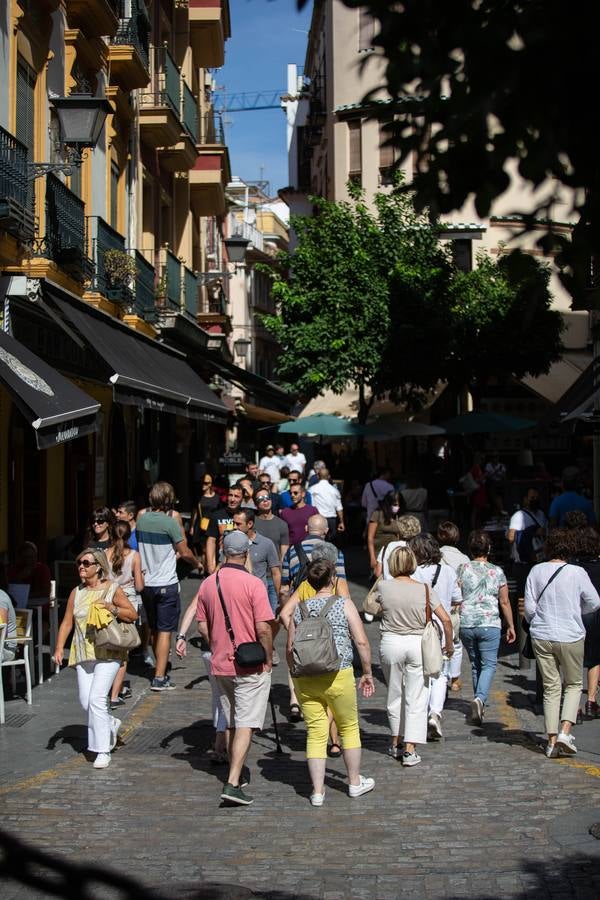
{"points": [[404, 616], [96, 667], [485, 595], [383, 526], [556, 595], [126, 571], [334, 690], [208, 502]]}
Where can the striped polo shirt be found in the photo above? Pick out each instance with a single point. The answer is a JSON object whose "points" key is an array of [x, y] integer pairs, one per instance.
{"points": [[157, 535]]}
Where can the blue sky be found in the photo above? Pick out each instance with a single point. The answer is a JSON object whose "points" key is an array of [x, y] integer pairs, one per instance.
{"points": [[266, 35]]}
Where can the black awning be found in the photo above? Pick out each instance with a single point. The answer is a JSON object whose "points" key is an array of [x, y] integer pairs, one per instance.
{"points": [[57, 410], [581, 401], [249, 381], [145, 373]]}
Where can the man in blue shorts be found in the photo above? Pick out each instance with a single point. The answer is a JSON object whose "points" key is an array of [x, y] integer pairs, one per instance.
{"points": [[159, 541]]}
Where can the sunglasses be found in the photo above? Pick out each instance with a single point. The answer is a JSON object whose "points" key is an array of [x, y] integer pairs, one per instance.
{"points": [[295, 493], [204, 483], [86, 563], [262, 499], [98, 521]]}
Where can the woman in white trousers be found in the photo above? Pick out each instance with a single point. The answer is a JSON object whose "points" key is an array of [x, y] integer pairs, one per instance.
{"points": [[96, 667], [403, 601]]}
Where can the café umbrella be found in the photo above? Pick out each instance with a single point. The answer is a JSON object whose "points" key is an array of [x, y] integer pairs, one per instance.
{"points": [[323, 424], [486, 423]]}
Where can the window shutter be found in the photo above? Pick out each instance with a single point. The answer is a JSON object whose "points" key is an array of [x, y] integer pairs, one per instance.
{"points": [[355, 148], [25, 104]]}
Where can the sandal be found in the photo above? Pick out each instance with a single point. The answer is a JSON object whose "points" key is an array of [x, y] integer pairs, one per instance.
{"points": [[334, 750], [295, 713]]}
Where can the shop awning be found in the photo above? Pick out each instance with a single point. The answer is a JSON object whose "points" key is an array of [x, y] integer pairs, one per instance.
{"points": [[262, 414], [57, 410], [265, 390], [144, 373], [581, 401]]}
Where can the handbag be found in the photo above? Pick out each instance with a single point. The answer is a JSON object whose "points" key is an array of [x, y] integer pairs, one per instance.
{"points": [[528, 651], [468, 483], [248, 655], [371, 604], [431, 647], [117, 636]]}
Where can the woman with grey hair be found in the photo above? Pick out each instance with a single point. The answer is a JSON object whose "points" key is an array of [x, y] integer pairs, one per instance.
{"points": [[96, 667], [407, 527]]}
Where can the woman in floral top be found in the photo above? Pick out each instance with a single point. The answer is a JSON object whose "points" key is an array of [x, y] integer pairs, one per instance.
{"points": [[485, 594]]}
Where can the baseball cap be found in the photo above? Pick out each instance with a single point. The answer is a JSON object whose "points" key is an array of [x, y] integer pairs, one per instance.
{"points": [[270, 447], [235, 543]]}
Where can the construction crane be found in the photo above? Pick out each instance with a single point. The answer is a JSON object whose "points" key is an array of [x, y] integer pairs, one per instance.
{"points": [[247, 101]]}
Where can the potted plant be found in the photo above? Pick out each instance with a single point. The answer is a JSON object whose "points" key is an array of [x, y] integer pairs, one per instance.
{"points": [[119, 271]]}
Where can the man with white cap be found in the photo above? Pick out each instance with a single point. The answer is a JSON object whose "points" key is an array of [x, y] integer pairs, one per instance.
{"points": [[233, 609], [270, 465]]}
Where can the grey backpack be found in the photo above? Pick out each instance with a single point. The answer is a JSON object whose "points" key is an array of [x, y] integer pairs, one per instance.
{"points": [[314, 651]]}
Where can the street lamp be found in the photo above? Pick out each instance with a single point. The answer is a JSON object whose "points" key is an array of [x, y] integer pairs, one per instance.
{"points": [[236, 248], [241, 347], [81, 119]]}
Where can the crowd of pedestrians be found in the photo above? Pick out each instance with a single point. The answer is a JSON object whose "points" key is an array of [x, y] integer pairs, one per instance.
{"points": [[269, 551]]}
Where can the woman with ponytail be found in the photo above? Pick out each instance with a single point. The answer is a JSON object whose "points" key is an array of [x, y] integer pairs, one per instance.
{"points": [[126, 571]]}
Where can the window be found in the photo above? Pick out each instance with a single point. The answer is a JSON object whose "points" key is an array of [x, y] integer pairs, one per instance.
{"points": [[366, 30], [387, 153], [462, 254], [25, 109], [114, 195], [355, 152]]}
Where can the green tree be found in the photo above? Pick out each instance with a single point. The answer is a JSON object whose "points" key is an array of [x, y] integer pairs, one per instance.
{"points": [[482, 82], [373, 299], [335, 316]]}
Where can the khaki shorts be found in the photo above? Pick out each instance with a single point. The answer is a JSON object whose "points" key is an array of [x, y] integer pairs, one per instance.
{"points": [[244, 699]]}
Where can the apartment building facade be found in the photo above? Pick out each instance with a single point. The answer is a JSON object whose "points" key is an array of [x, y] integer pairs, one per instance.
{"points": [[106, 251]]}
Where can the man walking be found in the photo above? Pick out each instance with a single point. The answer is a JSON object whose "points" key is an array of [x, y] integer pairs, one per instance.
{"points": [[295, 461], [374, 491], [327, 499], [296, 518], [286, 496], [221, 521], [232, 607], [316, 531], [270, 465], [270, 526], [159, 541]]}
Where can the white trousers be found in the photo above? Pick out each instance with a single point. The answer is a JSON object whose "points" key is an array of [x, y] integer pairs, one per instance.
{"points": [[94, 679], [401, 661]]}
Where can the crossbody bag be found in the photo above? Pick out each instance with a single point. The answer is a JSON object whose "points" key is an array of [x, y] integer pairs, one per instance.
{"points": [[248, 655]]}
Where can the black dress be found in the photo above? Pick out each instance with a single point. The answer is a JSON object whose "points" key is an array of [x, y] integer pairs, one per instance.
{"points": [[591, 621]]}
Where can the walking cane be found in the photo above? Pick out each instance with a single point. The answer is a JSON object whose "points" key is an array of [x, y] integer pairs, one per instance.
{"points": [[279, 748]]}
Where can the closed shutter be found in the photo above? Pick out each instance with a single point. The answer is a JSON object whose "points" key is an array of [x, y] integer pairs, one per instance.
{"points": [[355, 151], [25, 119]]}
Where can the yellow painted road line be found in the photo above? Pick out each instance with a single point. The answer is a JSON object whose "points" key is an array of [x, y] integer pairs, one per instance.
{"points": [[141, 713], [588, 768]]}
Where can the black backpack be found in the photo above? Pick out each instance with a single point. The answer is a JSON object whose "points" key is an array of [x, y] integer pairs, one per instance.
{"points": [[300, 575]]}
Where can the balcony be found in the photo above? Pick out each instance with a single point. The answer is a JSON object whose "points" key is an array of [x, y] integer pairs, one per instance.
{"points": [[65, 238], [182, 156], [94, 18], [160, 102], [209, 29], [16, 193], [190, 292], [213, 314], [128, 53], [114, 266], [211, 172], [145, 289]]}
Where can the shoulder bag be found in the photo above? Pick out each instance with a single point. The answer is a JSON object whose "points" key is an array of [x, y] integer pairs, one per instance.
{"points": [[431, 647], [527, 651], [371, 604], [248, 655], [116, 635]]}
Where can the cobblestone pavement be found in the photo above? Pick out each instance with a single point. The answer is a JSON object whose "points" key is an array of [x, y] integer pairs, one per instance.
{"points": [[485, 815]]}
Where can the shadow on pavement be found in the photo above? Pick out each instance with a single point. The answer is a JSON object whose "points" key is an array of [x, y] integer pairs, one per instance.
{"points": [[53, 877], [74, 735]]}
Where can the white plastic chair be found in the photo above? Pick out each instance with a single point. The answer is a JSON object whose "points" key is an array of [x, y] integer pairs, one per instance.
{"points": [[23, 639]]}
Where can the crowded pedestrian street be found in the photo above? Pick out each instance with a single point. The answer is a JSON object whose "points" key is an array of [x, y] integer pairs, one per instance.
{"points": [[484, 815]]}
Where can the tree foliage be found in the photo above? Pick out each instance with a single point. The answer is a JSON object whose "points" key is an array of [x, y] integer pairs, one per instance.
{"points": [[373, 299], [481, 82]]}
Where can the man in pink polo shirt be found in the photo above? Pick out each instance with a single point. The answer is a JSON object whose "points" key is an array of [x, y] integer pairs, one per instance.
{"points": [[244, 693]]}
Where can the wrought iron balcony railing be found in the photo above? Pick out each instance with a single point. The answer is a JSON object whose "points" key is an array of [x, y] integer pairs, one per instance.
{"points": [[16, 192], [190, 114], [145, 288], [190, 291], [65, 239], [134, 28], [114, 266], [165, 82], [211, 128]]}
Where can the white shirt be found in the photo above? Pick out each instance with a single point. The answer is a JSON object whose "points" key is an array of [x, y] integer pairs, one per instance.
{"points": [[521, 520], [296, 463], [555, 615], [384, 556], [446, 587], [270, 465], [454, 557], [327, 499]]}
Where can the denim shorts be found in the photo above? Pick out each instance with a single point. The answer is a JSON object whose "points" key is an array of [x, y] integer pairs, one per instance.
{"points": [[162, 607]]}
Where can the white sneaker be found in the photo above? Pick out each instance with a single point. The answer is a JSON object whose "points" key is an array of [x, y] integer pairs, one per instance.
{"points": [[434, 727], [102, 761], [551, 751], [368, 617], [410, 759], [477, 711], [365, 785], [114, 731], [317, 799], [276, 659], [566, 744]]}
